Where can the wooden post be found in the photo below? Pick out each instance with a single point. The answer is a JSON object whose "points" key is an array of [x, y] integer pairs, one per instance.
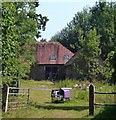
{"points": [[5, 93], [4, 96], [28, 96], [91, 99], [6, 107], [18, 85]]}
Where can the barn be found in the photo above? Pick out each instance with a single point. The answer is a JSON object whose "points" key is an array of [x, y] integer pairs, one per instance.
{"points": [[51, 58]]}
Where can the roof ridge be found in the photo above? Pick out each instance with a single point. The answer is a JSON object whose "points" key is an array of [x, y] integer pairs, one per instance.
{"points": [[47, 42]]}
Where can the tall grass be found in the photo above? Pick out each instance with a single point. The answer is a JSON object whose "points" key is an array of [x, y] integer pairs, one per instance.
{"points": [[76, 93]]}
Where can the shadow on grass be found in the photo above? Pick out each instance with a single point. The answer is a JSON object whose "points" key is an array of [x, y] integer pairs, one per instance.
{"points": [[108, 113], [53, 107]]}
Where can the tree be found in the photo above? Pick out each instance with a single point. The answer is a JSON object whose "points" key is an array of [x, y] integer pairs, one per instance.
{"points": [[89, 55], [102, 19], [66, 37], [20, 25], [69, 35], [43, 40], [112, 63], [9, 43], [108, 67], [114, 66], [28, 25]]}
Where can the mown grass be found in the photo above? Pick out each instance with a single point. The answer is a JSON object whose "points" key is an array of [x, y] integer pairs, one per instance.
{"points": [[77, 107]]}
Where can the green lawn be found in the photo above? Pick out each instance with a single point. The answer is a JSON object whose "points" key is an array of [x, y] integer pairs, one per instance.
{"points": [[77, 107]]}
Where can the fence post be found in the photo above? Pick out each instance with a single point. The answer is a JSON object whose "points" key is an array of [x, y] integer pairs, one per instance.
{"points": [[91, 99], [6, 107], [5, 91], [4, 94], [28, 96]]}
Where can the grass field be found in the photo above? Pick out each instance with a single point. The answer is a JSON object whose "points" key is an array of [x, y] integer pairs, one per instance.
{"points": [[77, 107]]}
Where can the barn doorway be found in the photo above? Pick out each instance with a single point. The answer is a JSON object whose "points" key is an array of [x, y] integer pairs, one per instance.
{"points": [[51, 73]]}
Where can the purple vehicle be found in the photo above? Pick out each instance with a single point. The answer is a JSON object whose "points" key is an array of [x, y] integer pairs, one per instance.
{"points": [[60, 94]]}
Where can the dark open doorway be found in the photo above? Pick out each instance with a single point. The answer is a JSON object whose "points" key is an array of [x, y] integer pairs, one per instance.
{"points": [[51, 73]]}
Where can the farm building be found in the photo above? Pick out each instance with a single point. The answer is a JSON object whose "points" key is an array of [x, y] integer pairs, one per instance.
{"points": [[73, 65], [54, 61], [51, 58], [77, 64]]}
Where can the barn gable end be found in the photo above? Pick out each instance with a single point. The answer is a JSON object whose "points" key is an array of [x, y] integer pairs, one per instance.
{"points": [[50, 59]]}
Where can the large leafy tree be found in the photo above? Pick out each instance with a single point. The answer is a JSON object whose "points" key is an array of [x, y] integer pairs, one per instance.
{"points": [[114, 55], [113, 63], [20, 25], [87, 61], [28, 25], [9, 43], [102, 19]]}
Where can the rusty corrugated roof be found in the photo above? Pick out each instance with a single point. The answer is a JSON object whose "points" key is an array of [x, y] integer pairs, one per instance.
{"points": [[47, 50]]}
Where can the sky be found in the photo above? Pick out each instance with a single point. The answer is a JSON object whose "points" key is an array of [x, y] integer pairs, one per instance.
{"points": [[59, 13]]}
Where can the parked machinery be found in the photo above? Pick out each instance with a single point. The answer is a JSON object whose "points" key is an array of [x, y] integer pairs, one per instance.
{"points": [[60, 94]]}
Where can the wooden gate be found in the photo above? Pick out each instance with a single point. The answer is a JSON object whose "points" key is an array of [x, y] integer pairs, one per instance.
{"points": [[16, 97]]}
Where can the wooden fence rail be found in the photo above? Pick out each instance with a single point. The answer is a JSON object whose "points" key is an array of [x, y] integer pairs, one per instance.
{"points": [[105, 92], [34, 88], [92, 103]]}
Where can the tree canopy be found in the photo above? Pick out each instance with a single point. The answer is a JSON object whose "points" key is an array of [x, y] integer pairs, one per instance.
{"points": [[83, 33], [20, 25]]}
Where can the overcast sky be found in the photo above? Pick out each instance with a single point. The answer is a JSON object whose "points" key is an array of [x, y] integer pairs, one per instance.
{"points": [[59, 13]]}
